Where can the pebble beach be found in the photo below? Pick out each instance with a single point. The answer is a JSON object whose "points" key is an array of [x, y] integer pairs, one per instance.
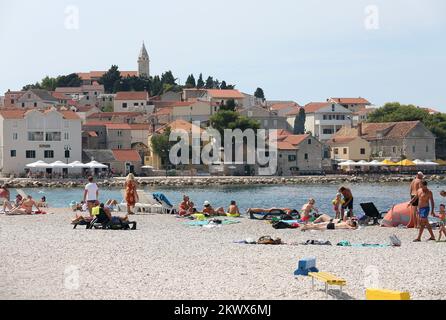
{"points": [[44, 258]]}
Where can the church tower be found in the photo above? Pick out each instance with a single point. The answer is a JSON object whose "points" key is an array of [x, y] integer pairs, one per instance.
{"points": [[143, 62]]}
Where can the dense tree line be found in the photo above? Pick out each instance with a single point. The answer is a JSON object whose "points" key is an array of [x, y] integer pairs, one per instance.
{"points": [[50, 84], [396, 112]]}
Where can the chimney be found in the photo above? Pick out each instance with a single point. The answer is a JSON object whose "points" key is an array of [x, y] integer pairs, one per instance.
{"points": [[359, 129]]}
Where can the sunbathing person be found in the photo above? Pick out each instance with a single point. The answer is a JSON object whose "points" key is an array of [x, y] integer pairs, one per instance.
{"points": [[186, 208], [26, 207], [324, 219], [111, 204], [349, 225], [105, 210], [210, 211], [42, 203], [12, 205], [233, 209]]}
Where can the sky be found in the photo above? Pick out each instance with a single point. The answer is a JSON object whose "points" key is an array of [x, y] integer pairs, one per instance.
{"points": [[301, 50]]}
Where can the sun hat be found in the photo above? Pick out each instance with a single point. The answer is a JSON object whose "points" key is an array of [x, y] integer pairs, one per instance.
{"points": [[420, 174], [206, 203]]}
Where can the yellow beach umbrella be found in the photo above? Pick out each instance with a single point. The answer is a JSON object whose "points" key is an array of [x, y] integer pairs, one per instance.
{"points": [[406, 163], [388, 163]]}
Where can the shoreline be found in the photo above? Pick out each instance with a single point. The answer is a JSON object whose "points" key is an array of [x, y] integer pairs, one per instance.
{"points": [[203, 181]]}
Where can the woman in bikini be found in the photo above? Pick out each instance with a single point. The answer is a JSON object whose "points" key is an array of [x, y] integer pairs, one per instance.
{"points": [[26, 207]]}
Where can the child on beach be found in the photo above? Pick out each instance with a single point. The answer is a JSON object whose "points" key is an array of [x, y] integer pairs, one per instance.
{"points": [[337, 204], [442, 217]]}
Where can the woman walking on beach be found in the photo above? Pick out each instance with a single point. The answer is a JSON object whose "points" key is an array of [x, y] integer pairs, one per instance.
{"points": [[131, 195]]}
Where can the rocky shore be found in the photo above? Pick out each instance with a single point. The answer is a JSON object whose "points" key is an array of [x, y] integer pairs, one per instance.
{"points": [[214, 181]]}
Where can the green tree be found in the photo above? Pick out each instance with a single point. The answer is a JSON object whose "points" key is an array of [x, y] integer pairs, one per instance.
{"points": [[168, 78], [32, 86], [209, 83], [259, 94], [396, 112], [49, 84], [190, 82], [200, 82], [69, 81], [157, 86], [111, 79], [223, 85], [299, 122], [161, 145], [229, 105], [227, 119]]}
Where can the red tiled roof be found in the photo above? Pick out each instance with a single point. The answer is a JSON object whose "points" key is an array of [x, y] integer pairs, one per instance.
{"points": [[281, 106], [294, 112], [60, 96], [351, 100], [179, 125], [99, 115], [225, 94], [117, 126], [390, 130], [98, 74], [126, 155], [20, 114], [296, 139], [341, 140], [163, 111], [315, 106], [140, 126], [132, 95], [284, 145]]}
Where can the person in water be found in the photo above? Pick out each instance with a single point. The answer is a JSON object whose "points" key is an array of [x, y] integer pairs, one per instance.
{"points": [[426, 205], [26, 207]]}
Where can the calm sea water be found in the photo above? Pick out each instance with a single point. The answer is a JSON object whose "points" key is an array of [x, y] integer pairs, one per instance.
{"points": [[384, 196]]}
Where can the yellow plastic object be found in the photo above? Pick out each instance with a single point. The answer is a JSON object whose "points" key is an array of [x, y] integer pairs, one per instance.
{"points": [[328, 278], [95, 211], [236, 215], [199, 216], [379, 294]]}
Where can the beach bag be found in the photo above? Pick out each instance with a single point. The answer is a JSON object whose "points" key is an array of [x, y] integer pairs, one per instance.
{"points": [[280, 225]]}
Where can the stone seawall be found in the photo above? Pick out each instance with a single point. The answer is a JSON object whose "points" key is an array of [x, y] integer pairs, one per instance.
{"points": [[218, 181]]}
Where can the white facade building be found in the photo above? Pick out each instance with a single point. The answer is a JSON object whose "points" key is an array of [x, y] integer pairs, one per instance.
{"points": [[29, 136], [324, 119]]}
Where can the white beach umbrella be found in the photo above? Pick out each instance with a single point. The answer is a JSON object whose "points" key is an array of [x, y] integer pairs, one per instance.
{"points": [[418, 162], [363, 163], [96, 165], [431, 163], [147, 167], [78, 164], [375, 163], [58, 164], [347, 163], [38, 164]]}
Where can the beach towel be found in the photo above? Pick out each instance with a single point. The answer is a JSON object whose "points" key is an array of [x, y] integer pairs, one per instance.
{"points": [[207, 222], [346, 243], [317, 243]]}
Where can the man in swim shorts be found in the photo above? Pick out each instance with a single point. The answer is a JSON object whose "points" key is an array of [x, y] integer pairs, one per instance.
{"points": [[426, 206], [414, 187], [348, 203]]}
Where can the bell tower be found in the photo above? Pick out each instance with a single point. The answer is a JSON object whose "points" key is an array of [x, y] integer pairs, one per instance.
{"points": [[143, 62]]}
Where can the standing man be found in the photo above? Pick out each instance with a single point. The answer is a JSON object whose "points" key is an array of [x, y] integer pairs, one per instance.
{"points": [[424, 198], [91, 193], [414, 187], [348, 203]]}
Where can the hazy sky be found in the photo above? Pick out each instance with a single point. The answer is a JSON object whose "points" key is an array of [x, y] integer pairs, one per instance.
{"points": [[302, 50]]}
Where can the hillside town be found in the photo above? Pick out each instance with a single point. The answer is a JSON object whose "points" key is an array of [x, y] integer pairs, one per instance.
{"points": [[87, 122]]}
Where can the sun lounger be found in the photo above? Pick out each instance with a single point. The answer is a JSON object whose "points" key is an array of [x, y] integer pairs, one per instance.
{"points": [[146, 203], [108, 225], [168, 207], [371, 212]]}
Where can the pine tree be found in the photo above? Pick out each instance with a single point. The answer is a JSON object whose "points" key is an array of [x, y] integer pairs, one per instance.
{"points": [[209, 83], [200, 82], [259, 94], [190, 82]]}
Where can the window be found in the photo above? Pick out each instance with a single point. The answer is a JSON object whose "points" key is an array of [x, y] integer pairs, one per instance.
{"points": [[362, 150], [119, 146], [12, 101], [413, 149], [35, 104], [103, 99], [135, 104], [13, 153], [291, 158], [333, 107], [124, 105], [336, 151], [309, 141], [394, 149], [67, 154], [66, 136], [324, 117], [23, 104], [344, 151], [48, 154], [427, 149], [35, 136], [327, 131], [88, 97], [306, 156], [30, 154], [53, 136], [15, 136], [119, 133]]}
